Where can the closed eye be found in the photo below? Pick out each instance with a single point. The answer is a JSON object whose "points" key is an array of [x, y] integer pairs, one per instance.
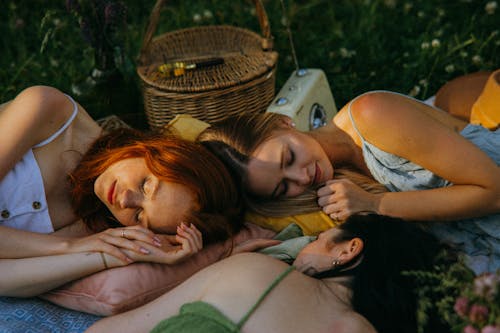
{"points": [[143, 185], [137, 216], [291, 157]]}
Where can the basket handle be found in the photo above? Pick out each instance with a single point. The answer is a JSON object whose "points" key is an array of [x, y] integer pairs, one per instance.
{"points": [[267, 42]]}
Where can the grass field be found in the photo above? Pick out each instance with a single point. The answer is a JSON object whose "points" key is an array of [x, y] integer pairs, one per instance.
{"points": [[411, 47]]}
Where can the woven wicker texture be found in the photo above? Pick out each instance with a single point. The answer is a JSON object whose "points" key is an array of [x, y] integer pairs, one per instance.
{"points": [[243, 83]]}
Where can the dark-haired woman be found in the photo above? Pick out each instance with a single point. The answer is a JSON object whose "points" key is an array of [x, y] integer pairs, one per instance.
{"points": [[348, 280]]}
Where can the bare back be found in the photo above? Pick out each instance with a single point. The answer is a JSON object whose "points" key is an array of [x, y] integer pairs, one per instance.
{"points": [[297, 303]]}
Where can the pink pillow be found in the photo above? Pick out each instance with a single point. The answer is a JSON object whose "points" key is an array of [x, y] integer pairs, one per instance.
{"points": [[120, 289]]}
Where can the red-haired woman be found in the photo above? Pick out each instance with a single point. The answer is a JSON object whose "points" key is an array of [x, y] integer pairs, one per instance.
{"points": [[74, 201]]}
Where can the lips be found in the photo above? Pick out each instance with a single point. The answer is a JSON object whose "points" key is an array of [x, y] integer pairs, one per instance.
{"points": [[111, 193]]}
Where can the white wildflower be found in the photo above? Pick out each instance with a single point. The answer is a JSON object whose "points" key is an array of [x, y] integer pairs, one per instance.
{"points": [[197, 18], [345, 53], [425, 45], [477, 60], [414, 91], [490, 7], [207, 14], [449, 68], [435, 43], [424, 82]]}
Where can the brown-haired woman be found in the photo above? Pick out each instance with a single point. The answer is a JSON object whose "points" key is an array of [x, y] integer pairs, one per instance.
{"points": [[435, 166], [74, 201]]}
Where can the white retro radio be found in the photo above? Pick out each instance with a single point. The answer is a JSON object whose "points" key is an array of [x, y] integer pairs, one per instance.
{"points": [[306, 98]]}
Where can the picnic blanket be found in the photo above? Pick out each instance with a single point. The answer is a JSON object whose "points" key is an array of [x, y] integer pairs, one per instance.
{"points": [[33, 315]]}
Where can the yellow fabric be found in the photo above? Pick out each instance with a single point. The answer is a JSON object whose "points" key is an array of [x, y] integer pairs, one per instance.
{"points": [[311, 223], [486, 109], [186, 127]]}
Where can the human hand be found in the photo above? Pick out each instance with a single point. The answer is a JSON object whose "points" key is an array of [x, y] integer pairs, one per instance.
{"points": [[252, 245], [115, 242], [174, 248], [340, 198]]}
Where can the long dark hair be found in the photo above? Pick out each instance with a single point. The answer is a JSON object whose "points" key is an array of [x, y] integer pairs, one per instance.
{"points": [[380, 290]]}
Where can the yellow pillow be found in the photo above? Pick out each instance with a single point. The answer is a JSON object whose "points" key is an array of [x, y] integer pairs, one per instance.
{"points": [[311, 223], [485, 110], [186, 127]]}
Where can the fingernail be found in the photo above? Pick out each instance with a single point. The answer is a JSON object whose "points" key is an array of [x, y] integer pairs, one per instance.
{"points": [[145, 251], [156, 239], [157, 243], [129, 260]]}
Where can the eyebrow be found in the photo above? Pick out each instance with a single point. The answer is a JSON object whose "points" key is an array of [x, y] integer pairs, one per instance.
{"points": [[282, 162]]}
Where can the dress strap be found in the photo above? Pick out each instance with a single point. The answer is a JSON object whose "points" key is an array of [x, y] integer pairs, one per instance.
{"points": [[263, 296], [60, 130]]}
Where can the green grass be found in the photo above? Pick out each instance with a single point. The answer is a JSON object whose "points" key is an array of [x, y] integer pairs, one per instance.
{"points": [[405, 46]]}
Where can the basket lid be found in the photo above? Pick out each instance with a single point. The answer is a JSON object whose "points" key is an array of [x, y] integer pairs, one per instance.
{"points": [[241, 50]]}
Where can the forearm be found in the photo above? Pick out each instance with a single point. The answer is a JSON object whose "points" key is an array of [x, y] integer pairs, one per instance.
{"points": [[33, 276], [448, 203], [23, 244]]}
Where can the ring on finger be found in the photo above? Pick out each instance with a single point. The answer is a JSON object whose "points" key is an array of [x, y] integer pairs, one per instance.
{"points": [[123, 233]]}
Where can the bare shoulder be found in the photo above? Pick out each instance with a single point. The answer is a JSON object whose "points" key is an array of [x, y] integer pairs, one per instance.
{"points": [[39, 109], [353, 322], [379, 107]]}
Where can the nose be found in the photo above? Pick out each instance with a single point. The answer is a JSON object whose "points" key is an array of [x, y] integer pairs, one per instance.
{"points": [[298, 181], [299, 176], [129, 199]]}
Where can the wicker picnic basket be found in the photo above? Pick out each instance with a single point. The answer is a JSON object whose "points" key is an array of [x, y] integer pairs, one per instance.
{"points": [[244, 82]]}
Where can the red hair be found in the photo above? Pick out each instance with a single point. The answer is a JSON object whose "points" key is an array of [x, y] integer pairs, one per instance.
{"points": [[171, 159]]}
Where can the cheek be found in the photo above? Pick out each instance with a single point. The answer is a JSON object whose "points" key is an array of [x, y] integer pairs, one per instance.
{"points": [[98, 187], [123, 217]]}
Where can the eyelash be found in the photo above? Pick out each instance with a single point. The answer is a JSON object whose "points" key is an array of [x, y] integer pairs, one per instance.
{"points": [[289, 162], [143, 185], [292, 158], [143, 191]]}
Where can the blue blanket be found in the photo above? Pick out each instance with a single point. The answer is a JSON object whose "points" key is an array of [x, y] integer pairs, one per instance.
{"points": [[33, 315]]}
